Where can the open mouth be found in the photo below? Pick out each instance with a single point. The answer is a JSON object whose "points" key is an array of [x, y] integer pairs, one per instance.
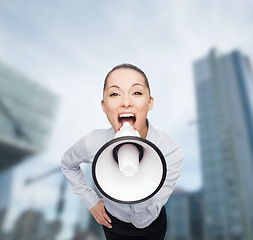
{"points": [[127, 117]]}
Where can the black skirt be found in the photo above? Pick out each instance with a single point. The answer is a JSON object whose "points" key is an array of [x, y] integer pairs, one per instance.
{"points": [[126, 231]]}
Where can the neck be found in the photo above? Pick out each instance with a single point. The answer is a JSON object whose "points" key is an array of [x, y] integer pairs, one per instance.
{"points": [[144, 131]]}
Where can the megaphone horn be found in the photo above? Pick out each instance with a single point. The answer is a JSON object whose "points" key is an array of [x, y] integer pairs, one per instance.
{"points": [[129, 169], [128, 155]]}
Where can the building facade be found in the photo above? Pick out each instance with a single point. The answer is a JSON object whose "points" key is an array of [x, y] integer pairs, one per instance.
{"points": [[185, 216], [224, 92], [27, 112]]}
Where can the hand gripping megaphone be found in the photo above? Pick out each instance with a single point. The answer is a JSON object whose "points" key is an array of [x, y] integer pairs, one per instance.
{"points": [[129, 169]]}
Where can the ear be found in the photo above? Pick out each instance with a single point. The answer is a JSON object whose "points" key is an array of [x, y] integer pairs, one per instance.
{"points": [[103, 105], [151, 103]]}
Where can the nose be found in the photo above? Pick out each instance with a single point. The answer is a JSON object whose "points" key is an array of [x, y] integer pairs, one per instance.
{"points": [[126, 102]]}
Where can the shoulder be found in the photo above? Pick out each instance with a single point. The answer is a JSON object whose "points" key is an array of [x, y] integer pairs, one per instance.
{"points": [[165, 143], [85, 148], [96, 139], [100, 135]]}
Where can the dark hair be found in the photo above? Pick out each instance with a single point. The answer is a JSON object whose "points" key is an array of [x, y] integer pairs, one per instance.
{"points": [[130, 66]]}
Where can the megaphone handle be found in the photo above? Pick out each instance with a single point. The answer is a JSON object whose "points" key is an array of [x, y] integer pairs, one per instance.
{"points": [[116, 149]]}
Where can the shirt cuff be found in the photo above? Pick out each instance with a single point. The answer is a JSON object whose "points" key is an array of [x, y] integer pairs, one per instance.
{"points": [[91, 201]]}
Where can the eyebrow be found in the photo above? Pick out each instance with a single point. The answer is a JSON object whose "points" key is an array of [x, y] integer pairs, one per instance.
{"points": [[112, 87], [116, 86], [138, 84]]}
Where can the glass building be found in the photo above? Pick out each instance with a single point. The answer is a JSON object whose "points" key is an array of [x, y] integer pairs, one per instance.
{"points": [[26, 116], [185, 215], [224, 92], [179, 216], [27, 113]]}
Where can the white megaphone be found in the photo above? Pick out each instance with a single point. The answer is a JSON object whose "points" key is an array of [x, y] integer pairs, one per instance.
{"points": [[128, 169]]}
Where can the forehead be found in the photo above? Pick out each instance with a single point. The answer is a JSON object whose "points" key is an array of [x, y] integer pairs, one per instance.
{"points": [[125, 77]]}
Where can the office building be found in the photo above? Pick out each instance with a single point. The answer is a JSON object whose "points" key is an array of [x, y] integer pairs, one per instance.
{"points": [[185, 216], [31, 224], [224, 93], [27, 113]]}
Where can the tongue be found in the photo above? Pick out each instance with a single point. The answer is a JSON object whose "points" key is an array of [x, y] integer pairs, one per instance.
{"points": [[130, 120]]}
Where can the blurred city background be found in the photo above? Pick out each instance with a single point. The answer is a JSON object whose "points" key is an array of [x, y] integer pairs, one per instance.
{"points": [[197, 55]]}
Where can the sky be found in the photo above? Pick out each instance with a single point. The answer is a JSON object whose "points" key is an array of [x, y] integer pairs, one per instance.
{"points": [[69, 46]]}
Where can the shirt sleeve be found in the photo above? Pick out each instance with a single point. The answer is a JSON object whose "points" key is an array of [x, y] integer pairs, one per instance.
{"points": [[70, 166], [142, 213], [174, 162]]}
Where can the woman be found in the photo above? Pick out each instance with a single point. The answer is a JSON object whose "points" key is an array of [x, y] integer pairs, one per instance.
{"points": [[126, 97]]}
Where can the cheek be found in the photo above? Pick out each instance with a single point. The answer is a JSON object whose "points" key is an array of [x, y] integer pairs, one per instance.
{"points": [[109, 108], [143, 109], [109, 111]]}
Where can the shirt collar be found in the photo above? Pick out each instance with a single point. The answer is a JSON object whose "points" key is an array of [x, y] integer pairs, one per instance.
{"points": [[150, 131]]}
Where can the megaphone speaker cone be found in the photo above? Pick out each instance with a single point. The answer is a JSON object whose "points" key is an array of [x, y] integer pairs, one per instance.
{"points": [[146, 174]]}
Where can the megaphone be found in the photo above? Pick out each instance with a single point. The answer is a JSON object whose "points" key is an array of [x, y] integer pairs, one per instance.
{"points": [[129, 169]]}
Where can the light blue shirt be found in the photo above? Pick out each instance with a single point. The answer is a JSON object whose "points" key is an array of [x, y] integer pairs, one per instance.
{"points": [[141, 214]]}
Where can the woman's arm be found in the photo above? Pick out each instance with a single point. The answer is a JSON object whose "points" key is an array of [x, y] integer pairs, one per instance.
{"points": [[70, 166]]}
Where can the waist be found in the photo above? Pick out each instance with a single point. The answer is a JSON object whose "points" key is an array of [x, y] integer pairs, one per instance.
{"points": [[129, 229]]}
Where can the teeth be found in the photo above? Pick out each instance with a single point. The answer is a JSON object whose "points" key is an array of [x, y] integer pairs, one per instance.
{"points": [[126, 115]]}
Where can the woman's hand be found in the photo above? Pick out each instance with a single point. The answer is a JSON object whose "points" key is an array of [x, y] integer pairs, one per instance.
{"points": [[98, 212]]}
